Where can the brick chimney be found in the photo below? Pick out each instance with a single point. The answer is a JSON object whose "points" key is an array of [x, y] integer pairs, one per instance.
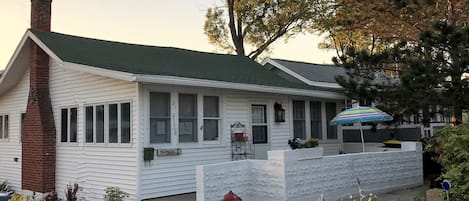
{"points": [[38, 149]]}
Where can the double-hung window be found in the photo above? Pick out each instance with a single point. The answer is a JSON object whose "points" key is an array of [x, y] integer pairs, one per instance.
{"points": [[299, 124], [68, 125], [160, 119], [211, 118], [3, 126], [188, 118], [194, 118], [315, 114], [108, 123], [331, 111]]}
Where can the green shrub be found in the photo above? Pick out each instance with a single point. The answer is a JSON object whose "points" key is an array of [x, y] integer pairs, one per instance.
{"points": [[5, 187], [115, 194], [452, 147]]}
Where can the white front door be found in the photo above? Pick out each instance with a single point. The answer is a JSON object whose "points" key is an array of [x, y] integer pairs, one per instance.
{"points": [[260, 130]]}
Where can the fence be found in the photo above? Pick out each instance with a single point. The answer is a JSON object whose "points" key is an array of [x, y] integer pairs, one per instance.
{"points": [[304, 174]]}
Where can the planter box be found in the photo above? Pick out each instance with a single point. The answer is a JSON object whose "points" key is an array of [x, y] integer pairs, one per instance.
{"points": [[308, 153]]}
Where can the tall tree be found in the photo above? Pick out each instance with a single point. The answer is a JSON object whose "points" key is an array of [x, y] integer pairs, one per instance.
{"points": [[375, 25], [249, 27], [430, 73]]}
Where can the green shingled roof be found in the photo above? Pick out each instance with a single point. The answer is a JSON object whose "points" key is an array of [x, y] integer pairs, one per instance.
{"points": [[151, 60]]}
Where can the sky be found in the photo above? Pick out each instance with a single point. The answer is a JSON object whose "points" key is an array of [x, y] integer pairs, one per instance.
{"points": [[173, 23]]}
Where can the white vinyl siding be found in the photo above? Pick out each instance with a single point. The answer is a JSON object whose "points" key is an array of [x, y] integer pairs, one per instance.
{"points": [[13, 103], [94, 166]]}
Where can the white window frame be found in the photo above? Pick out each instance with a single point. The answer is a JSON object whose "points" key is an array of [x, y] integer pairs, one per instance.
{"points": [[197, 120], [174, 118], [324, 122], [106, 124], [219, 119], [7, 129], [266, 124], [68, 108]]}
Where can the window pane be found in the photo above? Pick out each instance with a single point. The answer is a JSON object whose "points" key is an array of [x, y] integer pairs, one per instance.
{"points": [[125, 123], [187, 118], [187, 130], [315, 113], [5, 135], [23, 115], [187, 105], [159, 104], [259, 134], [64, 125], [1, 126], [113, 123], [331, 111], [89, 123], [159, 118], [100, 124], [258, 114], [73, 124], [211, 106], [210, 129], [299, 127], [159, 130], [298, 110]]}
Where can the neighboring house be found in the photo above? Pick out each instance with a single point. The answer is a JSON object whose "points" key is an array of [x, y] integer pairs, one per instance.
{"points": [[83, 110], [323, 76]]}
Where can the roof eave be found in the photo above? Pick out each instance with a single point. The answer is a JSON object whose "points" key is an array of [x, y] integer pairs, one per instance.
{"points": [[158, 79]]}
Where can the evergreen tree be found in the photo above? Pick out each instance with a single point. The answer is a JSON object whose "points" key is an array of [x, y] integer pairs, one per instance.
{"points": [[417, 76]]}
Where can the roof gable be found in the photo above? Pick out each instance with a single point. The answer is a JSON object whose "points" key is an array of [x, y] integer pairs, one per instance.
{"points": [[313, 74], [166, 61]]}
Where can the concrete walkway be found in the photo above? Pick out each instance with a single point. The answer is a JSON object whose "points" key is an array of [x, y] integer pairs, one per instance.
{"points": [[400, 195]]}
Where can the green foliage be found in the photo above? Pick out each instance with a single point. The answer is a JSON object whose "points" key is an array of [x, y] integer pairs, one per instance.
{"points": [[365, 24], [115, 194], [256, 24], [452, 145], [71, 192], [5, 187], [411, 77], [52, 196]]}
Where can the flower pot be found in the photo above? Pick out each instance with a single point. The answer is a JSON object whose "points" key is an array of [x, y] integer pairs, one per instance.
{"points": [[239, 137]]}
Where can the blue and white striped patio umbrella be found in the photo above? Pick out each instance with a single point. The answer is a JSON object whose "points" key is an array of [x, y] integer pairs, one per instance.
{"points": [[360, 115]]}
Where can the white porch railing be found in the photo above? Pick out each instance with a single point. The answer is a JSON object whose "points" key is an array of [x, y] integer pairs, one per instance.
{"points": [[304, 174]]}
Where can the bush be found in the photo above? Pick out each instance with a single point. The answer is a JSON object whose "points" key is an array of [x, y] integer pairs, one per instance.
{"points": [[452, 145], [115, 194], [71, 192], [5, 187]]}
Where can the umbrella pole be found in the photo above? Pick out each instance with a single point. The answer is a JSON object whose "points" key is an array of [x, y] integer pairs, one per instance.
{"points": [[361, 133]]}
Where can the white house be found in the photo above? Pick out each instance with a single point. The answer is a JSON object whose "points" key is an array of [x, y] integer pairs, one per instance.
{"points": [[83, 110], [322, 76]]}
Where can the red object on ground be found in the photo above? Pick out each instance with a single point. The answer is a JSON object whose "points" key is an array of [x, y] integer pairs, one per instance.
{"points": [[230, 196]]}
